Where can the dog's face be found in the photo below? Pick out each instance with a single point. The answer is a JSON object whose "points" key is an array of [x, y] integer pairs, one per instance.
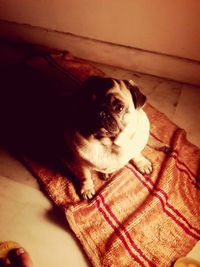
{"points": [[109, 104]]}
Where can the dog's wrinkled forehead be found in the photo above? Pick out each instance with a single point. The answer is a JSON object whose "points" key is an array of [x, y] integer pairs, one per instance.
{"points": [[98, 87]]}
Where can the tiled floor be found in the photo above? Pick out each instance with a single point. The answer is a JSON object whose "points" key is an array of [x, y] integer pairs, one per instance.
{"points": [[28, 217], [180, 102]]}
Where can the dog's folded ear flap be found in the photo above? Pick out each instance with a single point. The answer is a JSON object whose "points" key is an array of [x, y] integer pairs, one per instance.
{"points": [[87, 88], [139, 99], [91, 81], [96, 85], [97, 82]]}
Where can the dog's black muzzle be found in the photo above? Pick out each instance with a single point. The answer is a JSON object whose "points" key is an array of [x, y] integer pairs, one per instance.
{"points": [[108, 122]]}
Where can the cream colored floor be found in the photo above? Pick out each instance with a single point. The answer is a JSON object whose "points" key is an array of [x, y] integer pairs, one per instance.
{"points": [[26, 214]]}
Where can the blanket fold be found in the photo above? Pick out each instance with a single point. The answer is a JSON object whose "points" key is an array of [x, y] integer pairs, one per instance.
{"points": [[134, 219]]}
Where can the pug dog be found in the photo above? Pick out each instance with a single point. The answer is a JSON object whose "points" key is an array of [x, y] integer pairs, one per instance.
{"points": [[110, 129]]}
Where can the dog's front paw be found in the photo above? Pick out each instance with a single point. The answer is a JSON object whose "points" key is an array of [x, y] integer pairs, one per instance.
{"points": [[143, 165], [87, 193]]}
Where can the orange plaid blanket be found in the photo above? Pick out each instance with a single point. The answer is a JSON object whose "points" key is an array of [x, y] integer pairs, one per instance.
{"points": [[133, 220]]}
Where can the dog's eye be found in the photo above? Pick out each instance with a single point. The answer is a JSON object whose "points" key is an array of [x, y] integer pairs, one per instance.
{"points": [[118, 106]]}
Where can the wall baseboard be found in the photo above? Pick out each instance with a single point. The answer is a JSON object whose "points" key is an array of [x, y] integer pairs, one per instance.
{"points": [[166, 66]]}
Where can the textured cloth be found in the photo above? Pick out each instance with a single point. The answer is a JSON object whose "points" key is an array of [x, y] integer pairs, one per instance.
{"points": [[133, 220]]}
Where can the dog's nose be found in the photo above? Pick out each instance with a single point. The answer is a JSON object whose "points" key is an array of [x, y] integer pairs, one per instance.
{"points": [[103, 114]]}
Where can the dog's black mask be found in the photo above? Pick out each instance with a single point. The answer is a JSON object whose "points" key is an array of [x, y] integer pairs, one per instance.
{"points": [[102, 113], [110, 114]]}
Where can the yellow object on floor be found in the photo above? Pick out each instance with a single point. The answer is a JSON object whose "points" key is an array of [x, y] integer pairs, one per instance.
{"points": [[5, 247], [186, 262]]}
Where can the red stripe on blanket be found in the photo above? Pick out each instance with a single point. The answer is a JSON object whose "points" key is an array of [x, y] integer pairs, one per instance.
{"points": [[118, 233], [191, 176], [163, 203], [121, 226], [176, 157], [170, 206]]}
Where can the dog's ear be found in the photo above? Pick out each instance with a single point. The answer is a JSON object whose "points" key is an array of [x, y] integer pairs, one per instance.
{"points": [[96, 84], [91, 82], [139, 99], [93, 90]]}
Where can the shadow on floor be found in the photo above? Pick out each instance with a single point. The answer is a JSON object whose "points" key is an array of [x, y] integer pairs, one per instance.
{"points": [[33, 113]]}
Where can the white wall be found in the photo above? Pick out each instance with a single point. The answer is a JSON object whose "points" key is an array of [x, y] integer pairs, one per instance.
{"points": [[170, 27]]}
